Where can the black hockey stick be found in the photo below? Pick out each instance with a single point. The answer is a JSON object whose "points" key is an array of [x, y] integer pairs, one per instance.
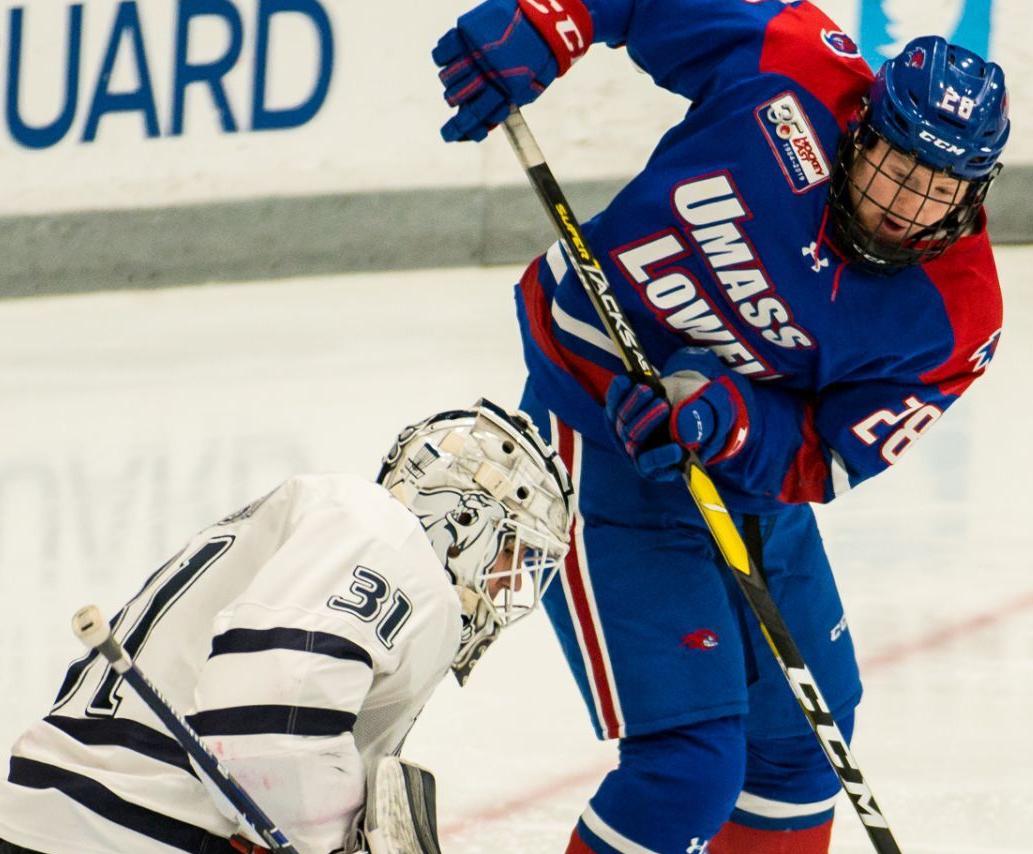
{"points": [[722, 527], [93, 630]]}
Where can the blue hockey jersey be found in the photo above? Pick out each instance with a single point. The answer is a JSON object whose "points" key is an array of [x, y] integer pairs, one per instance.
{"points": [[722, 241]]}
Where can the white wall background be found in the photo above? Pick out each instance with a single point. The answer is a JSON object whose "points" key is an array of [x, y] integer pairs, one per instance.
{"points": [[378, 127]]}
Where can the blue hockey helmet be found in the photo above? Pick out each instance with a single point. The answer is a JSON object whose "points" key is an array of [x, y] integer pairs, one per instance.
{"points": [[912, 174], [944, 104]]}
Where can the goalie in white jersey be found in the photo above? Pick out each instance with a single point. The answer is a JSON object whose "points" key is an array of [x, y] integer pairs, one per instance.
{"points": [[302, 635]]}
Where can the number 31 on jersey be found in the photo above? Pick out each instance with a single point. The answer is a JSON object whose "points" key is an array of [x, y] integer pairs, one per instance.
{"points": [[368, 594]]}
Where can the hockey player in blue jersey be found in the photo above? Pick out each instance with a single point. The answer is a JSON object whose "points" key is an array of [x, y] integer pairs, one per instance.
{"points": [[806, 255]]}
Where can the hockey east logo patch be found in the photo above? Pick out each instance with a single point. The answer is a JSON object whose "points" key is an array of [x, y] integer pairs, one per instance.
{"points": [[793, 142]]}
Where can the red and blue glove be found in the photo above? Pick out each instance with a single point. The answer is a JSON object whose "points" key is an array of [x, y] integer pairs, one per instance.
{"points": [[506, 52], [705, 412]]}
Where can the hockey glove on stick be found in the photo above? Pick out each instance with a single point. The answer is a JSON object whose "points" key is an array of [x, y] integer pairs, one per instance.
{"points": [[707, 414], [506, 52]]}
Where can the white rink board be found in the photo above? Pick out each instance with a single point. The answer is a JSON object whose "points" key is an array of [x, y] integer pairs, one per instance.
{"points": [[133, 419], [376, 128]]}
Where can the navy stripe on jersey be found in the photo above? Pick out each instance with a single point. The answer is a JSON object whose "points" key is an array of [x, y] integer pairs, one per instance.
{"points": [[262, 640], [121, 732], [105, 803], [263, 720]]}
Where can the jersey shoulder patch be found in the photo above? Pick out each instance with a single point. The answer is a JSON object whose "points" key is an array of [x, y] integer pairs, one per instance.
{"points": [[794, 142], [803, 44]]}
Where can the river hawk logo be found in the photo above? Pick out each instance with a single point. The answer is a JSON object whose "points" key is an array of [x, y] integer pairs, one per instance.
{"points": [[916, 58], [839, 42], [700, 639]]}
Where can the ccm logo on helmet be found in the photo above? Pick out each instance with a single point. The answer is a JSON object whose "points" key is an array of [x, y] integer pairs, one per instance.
{"points": [[949, 147]]}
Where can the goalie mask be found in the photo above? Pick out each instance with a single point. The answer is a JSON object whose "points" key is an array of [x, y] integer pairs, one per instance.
{"points": [[494, 499]]}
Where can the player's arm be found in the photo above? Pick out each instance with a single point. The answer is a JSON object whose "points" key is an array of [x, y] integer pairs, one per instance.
{"points": [[281, 691], [505, 52], [857, 430], [278, 701], [773, 443]]}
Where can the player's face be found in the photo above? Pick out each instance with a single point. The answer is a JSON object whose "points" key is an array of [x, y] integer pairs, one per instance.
{"points": [[505, 575], [895, 197]]}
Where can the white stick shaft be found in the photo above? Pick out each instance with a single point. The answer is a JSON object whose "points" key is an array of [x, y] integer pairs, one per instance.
{"points": [[92, 629], [523, 142]]}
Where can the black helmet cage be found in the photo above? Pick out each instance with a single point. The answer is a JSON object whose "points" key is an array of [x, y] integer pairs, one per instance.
{"points": [[861, 245]]}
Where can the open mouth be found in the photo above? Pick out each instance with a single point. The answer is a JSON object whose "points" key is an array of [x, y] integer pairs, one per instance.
{"points": [[892, 228]]}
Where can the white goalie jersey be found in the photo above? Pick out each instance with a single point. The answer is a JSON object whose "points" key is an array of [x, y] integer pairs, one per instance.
{"points": [[301, 637]]}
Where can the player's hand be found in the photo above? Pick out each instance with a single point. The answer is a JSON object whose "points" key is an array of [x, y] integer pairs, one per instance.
{"points": [[704, 412], [506, 52]]}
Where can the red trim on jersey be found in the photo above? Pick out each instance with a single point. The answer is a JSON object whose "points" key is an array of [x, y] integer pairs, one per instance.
{"points": [[572, 572], [966, 277], [740, 429], [566, 26], [739, 839], [737, 432], [594, 378], [809, 472], [577, 845], [793, 47]]}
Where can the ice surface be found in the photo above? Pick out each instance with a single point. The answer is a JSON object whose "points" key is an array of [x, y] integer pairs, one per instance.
{"points": [[129, 420]]}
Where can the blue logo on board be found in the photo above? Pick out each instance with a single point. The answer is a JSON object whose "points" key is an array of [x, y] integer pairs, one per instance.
{"points": [[126, 47], [888, 25]]}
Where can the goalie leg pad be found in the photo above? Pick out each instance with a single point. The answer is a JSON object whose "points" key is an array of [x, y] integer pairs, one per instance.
{"points": [[401, 809]]}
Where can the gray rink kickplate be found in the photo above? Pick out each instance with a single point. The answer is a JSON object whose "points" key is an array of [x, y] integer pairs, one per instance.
{"points": [[273, 238]]}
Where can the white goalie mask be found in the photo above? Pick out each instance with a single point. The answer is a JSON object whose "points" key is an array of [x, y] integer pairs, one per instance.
{"points": [[494, 499]]}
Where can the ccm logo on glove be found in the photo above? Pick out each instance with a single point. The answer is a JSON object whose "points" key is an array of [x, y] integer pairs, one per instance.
{"points": [[566, 26], [705, 412], [506, 52]]}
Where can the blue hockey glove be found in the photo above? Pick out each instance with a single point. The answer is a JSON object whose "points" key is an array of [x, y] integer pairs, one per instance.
{"points": [[506, 52], [706, 414]]}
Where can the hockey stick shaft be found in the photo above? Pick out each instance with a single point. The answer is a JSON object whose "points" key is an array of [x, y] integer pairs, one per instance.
{"points": [[93, 630], [703, 491]]}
